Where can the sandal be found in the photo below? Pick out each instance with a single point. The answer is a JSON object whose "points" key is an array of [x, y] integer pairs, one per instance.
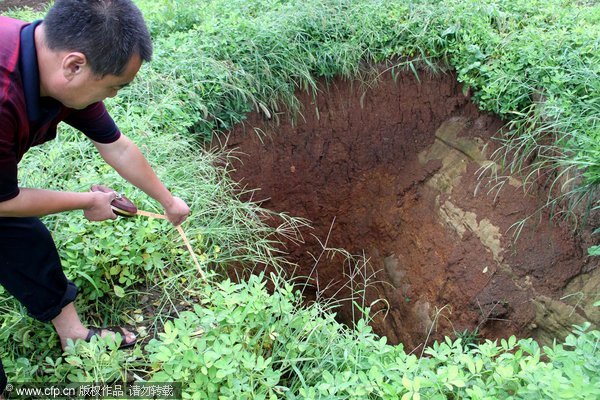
{"points": [[94, 331]]}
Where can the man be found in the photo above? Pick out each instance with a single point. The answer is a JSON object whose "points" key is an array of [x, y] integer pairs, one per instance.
{"points": [[60, 69]]}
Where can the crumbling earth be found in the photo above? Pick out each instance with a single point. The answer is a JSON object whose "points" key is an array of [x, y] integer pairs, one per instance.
{"points": [[402, 173]]}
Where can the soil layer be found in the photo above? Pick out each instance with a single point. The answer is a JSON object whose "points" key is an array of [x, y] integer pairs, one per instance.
{"points": [[391, 172]]}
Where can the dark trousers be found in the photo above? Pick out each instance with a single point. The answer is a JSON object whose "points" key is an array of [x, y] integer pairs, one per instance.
{"points": [[31, 271]]}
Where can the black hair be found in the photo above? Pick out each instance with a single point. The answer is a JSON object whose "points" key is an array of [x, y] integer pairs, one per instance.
{"points": [[108, 32]]}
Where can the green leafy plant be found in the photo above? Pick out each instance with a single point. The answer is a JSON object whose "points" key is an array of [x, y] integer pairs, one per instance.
{"points": [[534, 63]]}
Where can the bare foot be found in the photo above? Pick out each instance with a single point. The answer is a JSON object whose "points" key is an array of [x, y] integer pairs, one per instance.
{"points": [[69, 326], [126, 336], [129, 337]]}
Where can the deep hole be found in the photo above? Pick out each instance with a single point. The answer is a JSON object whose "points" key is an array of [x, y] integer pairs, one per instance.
{"points": [[392, 172]]}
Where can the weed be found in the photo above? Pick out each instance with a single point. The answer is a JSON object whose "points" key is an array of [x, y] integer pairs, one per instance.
{"points": [[534, 63]]}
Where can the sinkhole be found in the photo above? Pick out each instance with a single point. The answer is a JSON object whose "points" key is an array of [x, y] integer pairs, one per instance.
{"points": [[392, 171]]}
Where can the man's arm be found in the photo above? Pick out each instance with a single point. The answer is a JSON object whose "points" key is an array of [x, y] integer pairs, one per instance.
{"points": [[39, 202], [127, 159], [25, 202]]}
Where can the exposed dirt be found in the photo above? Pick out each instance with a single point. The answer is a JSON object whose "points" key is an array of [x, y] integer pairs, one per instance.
{"points": [[391, 172], [12, 4]]}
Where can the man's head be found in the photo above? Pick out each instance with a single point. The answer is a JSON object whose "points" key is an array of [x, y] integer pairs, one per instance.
{"points": [[100, 46]]}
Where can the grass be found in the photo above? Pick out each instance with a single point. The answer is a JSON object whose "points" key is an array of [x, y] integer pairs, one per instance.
{"points": [[534, 63]]}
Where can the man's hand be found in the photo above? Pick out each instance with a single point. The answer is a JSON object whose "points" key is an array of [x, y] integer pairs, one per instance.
{"points": [[127, 159], [99, 208], [177, 211], [38, 202]]}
